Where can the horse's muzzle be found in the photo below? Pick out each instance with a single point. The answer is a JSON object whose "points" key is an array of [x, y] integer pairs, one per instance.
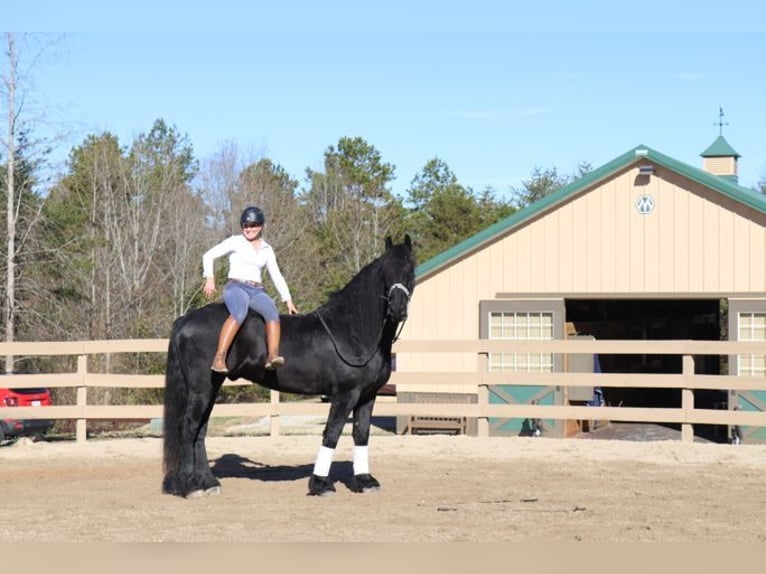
{"points": [[398, 302]]}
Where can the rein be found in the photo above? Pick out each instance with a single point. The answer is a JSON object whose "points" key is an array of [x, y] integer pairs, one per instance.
{"points": [[357, 362]]}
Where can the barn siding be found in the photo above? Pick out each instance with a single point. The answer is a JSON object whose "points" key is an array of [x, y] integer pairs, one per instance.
{"points": [[597, 244]]}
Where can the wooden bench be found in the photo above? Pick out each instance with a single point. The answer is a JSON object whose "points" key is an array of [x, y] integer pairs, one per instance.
{"points": [[419, 424], [431, 424]]}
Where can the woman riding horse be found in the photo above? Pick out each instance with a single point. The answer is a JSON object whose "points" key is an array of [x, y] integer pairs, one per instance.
{"points": [[345, 354], [248, 255]]}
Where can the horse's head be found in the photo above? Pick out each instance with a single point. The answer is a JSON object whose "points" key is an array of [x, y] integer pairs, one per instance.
{"points": [[399, 278]]}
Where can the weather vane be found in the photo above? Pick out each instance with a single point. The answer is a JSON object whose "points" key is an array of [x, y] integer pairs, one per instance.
{"points": [[720, 123]]}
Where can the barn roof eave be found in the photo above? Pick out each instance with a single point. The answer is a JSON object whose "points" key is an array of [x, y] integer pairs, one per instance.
{"points": [[721, 184], [505, 226], [638, 153]]}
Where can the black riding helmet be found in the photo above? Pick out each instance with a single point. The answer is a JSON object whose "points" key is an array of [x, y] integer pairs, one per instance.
{"points": [[252, 214]]}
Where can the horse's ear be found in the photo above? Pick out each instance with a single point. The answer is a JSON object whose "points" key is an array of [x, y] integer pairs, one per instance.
{"points": [[389, 243], [408, 241]]}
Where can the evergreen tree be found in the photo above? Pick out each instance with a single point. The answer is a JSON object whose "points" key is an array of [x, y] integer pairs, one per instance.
{"points": [[544, 182], [350, 209], [442, 212]]}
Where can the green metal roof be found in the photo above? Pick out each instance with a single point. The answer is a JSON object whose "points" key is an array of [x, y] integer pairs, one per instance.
{"points": [[720, 148], [719, 184]]}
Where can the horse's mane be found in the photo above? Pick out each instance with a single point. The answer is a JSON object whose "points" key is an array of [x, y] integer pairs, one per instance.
{"points": [[369, 276], [362, 286], [356, 312]]}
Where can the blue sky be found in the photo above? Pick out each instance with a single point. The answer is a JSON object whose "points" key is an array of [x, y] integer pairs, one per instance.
{"points": [[494, 90]]}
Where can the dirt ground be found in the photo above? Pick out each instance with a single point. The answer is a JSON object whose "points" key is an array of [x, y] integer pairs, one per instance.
{"points": [[434, 489]]}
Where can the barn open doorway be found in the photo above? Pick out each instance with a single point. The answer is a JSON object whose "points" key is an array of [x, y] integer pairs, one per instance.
{"points": [[653, 319]]}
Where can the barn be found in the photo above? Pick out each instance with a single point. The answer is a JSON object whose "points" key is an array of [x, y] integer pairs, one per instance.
{"points": [[643, 247]]}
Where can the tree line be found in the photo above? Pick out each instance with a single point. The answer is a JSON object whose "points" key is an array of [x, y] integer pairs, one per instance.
{"points": [[113, 248]]}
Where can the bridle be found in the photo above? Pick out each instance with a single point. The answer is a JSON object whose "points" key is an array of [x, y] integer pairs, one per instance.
{"points": [[391, 290], [388, 301], [359, 362]]}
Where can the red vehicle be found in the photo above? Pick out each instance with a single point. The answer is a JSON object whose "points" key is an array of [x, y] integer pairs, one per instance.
{"points": [[24, 398]]}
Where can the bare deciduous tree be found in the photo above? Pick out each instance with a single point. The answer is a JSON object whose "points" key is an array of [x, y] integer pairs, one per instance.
{"points": [[20, 56], [10, 85]]}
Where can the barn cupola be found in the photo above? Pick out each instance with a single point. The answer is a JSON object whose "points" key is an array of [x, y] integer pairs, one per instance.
{"points": [[720, 158]]}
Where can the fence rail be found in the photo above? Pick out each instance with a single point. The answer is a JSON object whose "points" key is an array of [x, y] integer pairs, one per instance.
{"points": [[687, 381]]}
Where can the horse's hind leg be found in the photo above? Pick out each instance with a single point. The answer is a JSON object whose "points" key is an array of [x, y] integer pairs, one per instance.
{"points": [[190, 475], [363, 481], [203, 481]]}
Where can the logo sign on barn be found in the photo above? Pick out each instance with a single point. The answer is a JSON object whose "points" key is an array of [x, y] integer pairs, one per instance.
{"points": [[645, 204]]}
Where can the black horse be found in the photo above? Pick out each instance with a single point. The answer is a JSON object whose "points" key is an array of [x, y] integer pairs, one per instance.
{"points": [[342, 350]]}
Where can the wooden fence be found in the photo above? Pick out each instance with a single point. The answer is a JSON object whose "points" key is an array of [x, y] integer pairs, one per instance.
{"points": [[687, 415]]}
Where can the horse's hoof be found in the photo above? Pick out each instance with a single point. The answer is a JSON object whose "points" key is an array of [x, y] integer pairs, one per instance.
{"points": [[213, 490], [196, 494], [320, 486], [364, 483]]}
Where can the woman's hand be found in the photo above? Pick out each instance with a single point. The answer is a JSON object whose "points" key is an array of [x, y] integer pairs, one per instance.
{"points": [[291, 307], [209, 288]]}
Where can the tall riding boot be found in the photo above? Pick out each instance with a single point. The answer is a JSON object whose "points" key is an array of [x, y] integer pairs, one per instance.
{"points": [[273, 332], [228, 331]]}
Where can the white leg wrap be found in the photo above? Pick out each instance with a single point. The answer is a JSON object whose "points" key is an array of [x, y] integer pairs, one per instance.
{"points": [[323, 462], [361, 460]]}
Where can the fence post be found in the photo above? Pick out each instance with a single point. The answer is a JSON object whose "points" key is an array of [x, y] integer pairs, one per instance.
{"points": [[81, 429], [274, 421], [482, 397], [687, 400]]}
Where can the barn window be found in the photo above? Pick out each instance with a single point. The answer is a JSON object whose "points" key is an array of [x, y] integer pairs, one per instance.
{"points": [[752, 327], [521, 326], [523, 320]]}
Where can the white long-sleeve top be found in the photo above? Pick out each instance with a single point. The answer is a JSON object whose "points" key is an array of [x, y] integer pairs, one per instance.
{"points": [[246, 263]]}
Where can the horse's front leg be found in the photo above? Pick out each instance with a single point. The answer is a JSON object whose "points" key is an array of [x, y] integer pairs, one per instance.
{"points": [[363, 481], [319, 483]]}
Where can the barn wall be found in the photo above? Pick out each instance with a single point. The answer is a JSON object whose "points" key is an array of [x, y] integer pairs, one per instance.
{"points": [[695, 241]]}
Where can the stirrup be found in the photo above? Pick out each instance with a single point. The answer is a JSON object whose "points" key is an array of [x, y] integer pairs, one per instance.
{"points": [[223, 369], [275, 362]]}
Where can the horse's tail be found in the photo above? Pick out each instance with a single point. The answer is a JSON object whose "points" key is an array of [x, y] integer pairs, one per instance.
{"points": [[176, 400]]}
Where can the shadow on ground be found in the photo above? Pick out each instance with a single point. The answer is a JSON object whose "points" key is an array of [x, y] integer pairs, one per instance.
{"points": [[236, 466], [635, 432]]}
